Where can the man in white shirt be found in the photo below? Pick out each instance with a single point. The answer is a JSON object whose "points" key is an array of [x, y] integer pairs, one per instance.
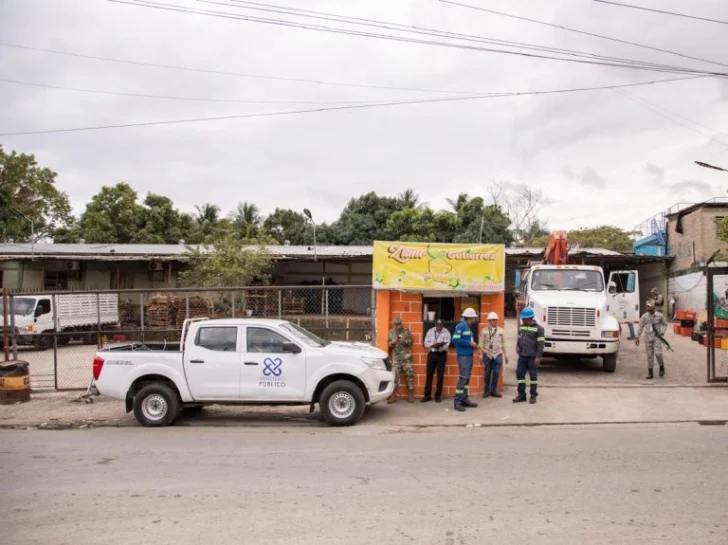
{"points": [[437, 342]]}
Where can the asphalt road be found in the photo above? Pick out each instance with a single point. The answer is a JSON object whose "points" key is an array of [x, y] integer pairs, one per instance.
{"points": [[549, 485]]}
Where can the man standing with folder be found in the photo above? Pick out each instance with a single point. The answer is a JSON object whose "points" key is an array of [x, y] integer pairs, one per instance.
{"points": [[437, 341]]}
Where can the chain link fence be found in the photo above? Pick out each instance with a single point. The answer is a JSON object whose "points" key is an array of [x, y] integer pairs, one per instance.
{"points": [[59, 332]]}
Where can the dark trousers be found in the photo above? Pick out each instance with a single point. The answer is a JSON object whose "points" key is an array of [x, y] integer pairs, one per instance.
{"points": [[465, 368], [526, 363], [492, 371], [435, 362]]}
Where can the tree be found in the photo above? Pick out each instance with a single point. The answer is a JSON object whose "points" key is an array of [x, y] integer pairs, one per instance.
{"points": [[522, 203], [535, 235], [604, 236], [112, 216], [364, 219], [409, 199], [286, 225], [421, 225], [28, 194], [246, 220], [478, 221], [232, 261], [161, 222]]}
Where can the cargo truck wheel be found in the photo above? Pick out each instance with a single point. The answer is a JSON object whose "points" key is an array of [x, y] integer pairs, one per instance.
{"points": [[156, 405], [609, 362], [342, 403]]}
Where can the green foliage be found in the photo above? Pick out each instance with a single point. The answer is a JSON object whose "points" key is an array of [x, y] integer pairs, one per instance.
{"points": [[288, 225], [232, 261], [604, 236], [364, 219], [161, 222], [473, 214], [246, 220], [29, 190], [113, 215]]}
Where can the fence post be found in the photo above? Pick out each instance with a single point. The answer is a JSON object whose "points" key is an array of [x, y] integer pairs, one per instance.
{"points": [[141, 311], [6, 333], [326, 306], [98, 320], [280, 304], [232, 303], [187, 306], [13, 333], [55, 341]]}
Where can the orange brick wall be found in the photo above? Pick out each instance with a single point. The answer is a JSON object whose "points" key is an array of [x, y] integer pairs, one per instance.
{"points": [[408, 306]]}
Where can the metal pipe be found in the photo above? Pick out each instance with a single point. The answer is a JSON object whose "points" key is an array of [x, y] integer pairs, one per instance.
{"points": [[55, 340], [98, 320], [141, 310], [6, 336], [13, 333], [232, 303], [280, 304]]}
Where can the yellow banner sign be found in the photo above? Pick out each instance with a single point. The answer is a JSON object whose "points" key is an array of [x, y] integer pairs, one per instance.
{"points": [[421, 266]]}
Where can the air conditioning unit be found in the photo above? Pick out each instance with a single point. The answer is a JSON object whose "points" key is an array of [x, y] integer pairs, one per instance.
{"points": [[73, 266], [156, 266]]}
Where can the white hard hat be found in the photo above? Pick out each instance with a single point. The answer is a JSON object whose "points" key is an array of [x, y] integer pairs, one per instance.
{"points": [[470, 313], [492, 316]]}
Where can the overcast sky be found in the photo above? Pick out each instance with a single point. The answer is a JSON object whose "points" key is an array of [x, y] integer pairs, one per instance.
{"points": [[600, 156]]}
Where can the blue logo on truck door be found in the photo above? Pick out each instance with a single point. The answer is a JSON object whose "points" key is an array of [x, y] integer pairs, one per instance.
{"points": [[272, 367], [272, 374]]}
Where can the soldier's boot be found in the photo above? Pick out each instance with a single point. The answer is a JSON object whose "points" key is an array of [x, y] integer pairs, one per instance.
{"points": [[662, 370], [519, 398], [459, 407], [410, 396], [393, 397], [469, 403], [650, 375]]}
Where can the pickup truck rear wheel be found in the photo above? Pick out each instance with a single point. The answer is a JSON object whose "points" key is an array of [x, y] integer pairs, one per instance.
{"points": [[609, 363], [342, 403], [156, 405]]}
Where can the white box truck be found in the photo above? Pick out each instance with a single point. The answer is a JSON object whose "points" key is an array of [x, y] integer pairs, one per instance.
{"points": [[77, 315]]}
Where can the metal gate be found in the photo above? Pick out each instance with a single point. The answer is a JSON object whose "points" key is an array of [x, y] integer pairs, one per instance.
{"points": [[717, 322], [66, 328]]}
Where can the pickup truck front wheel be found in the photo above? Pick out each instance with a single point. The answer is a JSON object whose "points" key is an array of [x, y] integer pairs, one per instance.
{"points": [[342, 403], [156, 405]]}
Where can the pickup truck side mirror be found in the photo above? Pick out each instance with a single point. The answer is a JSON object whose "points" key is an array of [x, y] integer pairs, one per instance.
{"points": [[290, 348]]}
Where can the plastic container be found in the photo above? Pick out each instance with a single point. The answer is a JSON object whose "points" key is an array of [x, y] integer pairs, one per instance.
{"points": [[14, 382]]}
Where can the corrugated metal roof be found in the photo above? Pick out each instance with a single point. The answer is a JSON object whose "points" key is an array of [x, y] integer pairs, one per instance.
{"points": [[81, 251], [143, 251]]}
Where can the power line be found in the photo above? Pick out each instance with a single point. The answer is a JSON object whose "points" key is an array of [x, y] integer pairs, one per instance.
{"points": [[413, 29], [676, 118], [584, 32], [664, 12], [170, 97], [351, 32], [220, 72], [346, 107]]}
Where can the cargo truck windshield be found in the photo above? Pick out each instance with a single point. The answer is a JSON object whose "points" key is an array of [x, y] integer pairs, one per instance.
{"points": [[20, 306], [567, 279]]}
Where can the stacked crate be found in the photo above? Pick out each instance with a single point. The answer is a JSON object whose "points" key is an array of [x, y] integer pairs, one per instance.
{"points": [[161, 311], [199, 307]]}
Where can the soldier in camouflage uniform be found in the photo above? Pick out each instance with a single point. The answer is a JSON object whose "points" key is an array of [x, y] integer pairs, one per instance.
{"points": [[652, 321], [400, 346]]}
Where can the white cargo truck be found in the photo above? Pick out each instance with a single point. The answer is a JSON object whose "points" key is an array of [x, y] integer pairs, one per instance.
{"points": [[77, 316], [579, 311], [244, 361]]}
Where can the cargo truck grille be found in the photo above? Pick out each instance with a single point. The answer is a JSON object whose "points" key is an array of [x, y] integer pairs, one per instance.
{"points": [[568, 316]]}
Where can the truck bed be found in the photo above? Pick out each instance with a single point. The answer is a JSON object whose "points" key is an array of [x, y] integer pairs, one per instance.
{"points": [[145, 347]]}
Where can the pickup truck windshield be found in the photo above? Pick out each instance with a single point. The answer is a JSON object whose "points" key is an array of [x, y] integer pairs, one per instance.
{"points": [[303, 335], [567, 279], [20, 306]]}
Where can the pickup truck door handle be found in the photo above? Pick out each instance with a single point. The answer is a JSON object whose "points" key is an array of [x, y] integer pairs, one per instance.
{"points": [[251, 363], [197, 361]]}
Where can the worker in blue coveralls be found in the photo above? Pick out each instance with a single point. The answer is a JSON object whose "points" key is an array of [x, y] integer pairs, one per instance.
{"points": [[531, 339], [465, 346]]}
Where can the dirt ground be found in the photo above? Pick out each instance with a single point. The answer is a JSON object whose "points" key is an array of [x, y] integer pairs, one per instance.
{"points": [[685, 366]]}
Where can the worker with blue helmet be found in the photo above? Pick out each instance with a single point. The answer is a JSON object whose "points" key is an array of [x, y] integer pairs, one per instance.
{"points": [[530, 345]]}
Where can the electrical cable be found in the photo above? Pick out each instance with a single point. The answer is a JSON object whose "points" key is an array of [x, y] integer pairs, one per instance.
{"points": [[169, 97], [323, 28], [344, 107], [221, 72], [664, 12], [584, 32], [413, 29]]}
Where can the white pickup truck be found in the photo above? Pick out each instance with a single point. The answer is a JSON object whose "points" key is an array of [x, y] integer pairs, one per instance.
{"points": [[244, 361]]}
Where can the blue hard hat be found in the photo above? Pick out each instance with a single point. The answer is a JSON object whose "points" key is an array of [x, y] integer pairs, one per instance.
{"points": [[527, 313]]}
